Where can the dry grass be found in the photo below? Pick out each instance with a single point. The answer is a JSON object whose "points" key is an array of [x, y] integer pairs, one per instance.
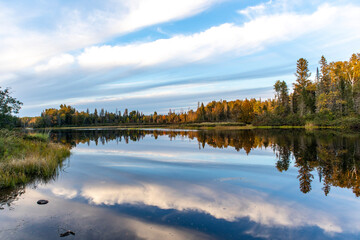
{"points": [[24, 158]]}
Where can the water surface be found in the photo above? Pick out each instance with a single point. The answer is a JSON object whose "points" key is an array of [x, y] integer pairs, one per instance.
{"points": [[162, 184]]}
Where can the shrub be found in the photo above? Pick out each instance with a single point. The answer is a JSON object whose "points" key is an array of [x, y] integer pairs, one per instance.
{"points": [[269, 119], [348, 122]]}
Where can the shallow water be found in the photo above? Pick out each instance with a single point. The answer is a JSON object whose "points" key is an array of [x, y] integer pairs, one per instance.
{"points": [[162, 184]]}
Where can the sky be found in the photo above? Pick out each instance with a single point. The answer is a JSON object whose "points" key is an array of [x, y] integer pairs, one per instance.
{"points": [[153, 55]]}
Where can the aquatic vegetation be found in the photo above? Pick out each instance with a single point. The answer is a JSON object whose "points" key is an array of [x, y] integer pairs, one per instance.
{"points": [[24, 158], [38, 136]]}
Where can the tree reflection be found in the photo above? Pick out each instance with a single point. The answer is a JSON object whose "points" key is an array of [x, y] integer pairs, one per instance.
{"points": [[9, 195], [334, 156]]}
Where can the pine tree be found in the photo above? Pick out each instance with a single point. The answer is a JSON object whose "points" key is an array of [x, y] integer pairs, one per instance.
{"points": [[301, 86], [282, 97]]}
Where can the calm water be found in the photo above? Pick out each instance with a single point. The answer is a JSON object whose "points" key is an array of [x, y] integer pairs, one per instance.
{"points": [[161, 184]]}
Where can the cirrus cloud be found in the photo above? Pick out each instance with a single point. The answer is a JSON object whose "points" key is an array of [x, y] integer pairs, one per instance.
{"points": [[77, 27], [227, 38]]}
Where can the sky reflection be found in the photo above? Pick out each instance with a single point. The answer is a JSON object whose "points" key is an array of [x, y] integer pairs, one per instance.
{"points": [[153, 188], [46, 222]]}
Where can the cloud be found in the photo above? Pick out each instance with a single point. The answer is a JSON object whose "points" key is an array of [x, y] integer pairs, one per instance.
{"points": [[76, 27], [276, 7], [56, 62], [102, 86], [227, 38], [255, 10], [145, 13], [148, 100]]}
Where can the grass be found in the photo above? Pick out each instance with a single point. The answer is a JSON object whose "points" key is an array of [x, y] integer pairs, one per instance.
{"points": [[27, 157], [44, 137]]}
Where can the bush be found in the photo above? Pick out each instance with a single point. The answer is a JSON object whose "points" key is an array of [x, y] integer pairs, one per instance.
{"points": [[8, 121], [269, 119], [348, 122], [324, 119]]}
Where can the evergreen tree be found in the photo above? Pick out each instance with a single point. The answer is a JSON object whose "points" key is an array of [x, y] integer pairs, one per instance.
{"points": [[301, 86], [282, 97]]}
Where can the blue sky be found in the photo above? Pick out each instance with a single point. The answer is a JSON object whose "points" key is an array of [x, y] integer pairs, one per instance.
{"points": [[158, 54]]}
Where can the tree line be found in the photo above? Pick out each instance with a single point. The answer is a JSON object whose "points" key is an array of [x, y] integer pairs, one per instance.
{"points": [[332, 97]]}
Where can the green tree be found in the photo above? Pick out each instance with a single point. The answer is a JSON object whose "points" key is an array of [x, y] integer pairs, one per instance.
{"points": [[302, 86], [8, 106], [324, 95], [201, 113], [325, 80], [282, 97]]}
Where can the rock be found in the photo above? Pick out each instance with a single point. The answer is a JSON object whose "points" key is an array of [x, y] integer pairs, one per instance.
{"points": [[42, 202], [67, 233]]}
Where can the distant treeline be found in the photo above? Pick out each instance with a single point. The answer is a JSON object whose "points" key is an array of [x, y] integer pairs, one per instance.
{"points": [[332, 98]]}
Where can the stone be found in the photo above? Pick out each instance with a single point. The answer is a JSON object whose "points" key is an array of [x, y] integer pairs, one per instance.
{"points": [[42, 202]]}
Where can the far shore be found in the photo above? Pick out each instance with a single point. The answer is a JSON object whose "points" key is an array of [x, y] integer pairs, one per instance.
{"points": [[194, 126]]}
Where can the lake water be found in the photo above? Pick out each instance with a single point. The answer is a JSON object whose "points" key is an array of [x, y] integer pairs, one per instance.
{"points": [[166, 184]]}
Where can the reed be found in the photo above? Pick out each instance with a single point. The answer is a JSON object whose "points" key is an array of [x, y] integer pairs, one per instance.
{"points": [[26, 157]]}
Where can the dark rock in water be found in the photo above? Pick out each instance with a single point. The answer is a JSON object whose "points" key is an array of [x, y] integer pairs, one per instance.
{"points": [[42, 202], [67, 233], [1, 208]]}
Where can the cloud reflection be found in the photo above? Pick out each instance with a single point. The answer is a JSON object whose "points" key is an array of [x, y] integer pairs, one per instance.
{"points": [[86, 221], [63, 192], [244, 203]]}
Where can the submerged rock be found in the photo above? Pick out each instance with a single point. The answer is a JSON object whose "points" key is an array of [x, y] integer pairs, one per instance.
{"points": [[67, 233], [42, 202]]}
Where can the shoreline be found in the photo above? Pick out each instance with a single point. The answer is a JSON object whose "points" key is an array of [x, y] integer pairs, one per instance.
{"points": [[196, 126]]}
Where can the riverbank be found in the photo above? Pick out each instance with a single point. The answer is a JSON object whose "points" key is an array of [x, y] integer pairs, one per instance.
{"points": [[194, 126], [26, 157]]}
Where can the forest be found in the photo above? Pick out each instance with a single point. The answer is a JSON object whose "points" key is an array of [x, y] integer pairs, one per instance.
{"points": [[330, 98]]}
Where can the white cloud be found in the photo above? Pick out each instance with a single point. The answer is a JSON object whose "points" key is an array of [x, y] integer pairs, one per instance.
{"points": [[56, 62], [226, 38], [178, 48], [144, 12], [23, 47], [255, 10], [274, 7]]}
